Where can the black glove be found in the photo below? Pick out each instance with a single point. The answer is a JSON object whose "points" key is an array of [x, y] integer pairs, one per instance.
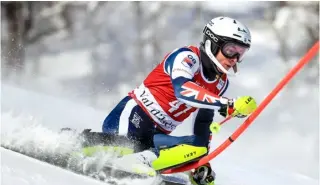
{"points": [[226, 109], [229, 109]]}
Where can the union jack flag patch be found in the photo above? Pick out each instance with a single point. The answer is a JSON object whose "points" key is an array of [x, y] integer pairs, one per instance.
{"points": [[188, 61], [200, 94]]}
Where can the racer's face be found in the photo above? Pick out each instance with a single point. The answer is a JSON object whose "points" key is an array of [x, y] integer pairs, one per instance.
{"points": [[227, 63]]}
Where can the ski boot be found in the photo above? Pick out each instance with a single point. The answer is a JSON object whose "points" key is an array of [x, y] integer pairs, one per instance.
{"points": [[202, 175]]}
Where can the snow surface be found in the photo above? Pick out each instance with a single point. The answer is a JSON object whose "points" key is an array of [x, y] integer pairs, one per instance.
{"points": [[19, 128], [20, 169]]}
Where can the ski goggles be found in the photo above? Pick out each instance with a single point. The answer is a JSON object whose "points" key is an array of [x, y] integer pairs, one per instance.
{"points": [[231, 50]]}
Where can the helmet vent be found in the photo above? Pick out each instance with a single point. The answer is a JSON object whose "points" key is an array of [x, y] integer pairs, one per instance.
{"points": [[237, 35], [243, 30], [234, 21], [221, 18]]}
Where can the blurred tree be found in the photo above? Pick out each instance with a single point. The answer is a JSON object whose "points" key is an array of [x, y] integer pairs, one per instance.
{"points": [[23, 20], [197, 20], [19, 23], [139, 46], [154, 39], [296, 26]]}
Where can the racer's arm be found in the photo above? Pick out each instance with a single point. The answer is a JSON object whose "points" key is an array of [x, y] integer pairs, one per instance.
{"points": [[202, 122], [201, 126]]}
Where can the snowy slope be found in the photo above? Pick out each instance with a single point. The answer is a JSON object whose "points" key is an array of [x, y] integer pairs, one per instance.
{"points": [[23, 170], [18, 128]]}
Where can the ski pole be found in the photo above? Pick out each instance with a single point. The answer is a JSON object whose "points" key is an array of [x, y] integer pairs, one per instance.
{"points": [[215, 126], [225, 120]]}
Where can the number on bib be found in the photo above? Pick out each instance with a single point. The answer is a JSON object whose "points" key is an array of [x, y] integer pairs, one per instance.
{"points": [[175, 105]]}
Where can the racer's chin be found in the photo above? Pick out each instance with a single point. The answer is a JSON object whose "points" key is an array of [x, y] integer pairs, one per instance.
{"points": [[227, 67]]}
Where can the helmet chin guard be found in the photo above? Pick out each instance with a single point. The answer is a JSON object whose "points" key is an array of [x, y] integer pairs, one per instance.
{"points": [[208, 50]]}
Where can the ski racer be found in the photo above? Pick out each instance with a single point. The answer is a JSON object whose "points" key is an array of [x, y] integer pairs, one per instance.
{"points": [[189, 80]]}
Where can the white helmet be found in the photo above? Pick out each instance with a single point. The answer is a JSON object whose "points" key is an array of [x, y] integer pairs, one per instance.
{"points": [[230, 36]]}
